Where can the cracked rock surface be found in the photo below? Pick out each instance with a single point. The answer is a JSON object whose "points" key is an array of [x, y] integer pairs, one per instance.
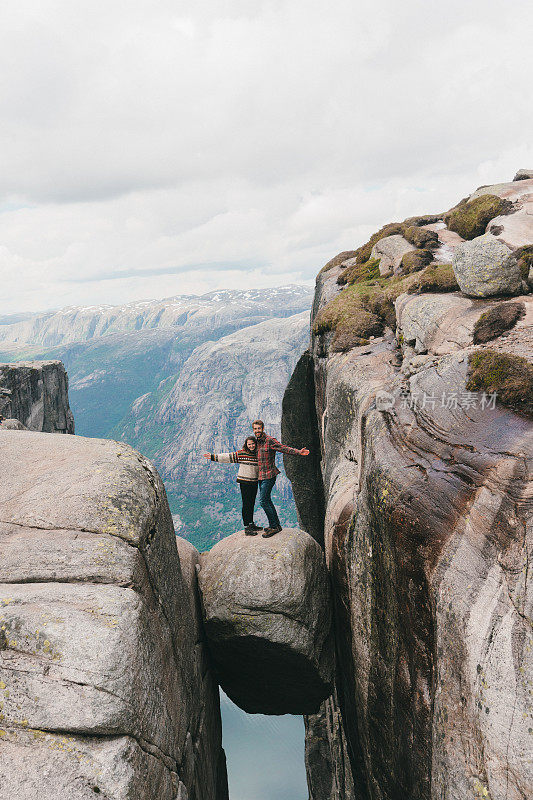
{"points": [[103, 682], [267, 616]]}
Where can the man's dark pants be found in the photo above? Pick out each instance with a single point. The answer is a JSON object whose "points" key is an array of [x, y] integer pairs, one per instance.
{"points": [[265, 488]]}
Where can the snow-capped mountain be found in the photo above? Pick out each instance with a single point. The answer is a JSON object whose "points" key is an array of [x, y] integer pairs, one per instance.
{"points": [[218, 310]]}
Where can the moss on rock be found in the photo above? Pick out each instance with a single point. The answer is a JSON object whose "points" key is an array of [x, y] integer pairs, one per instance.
{"points": [[364, 309], [424, 219], [470, 217], [345, 339], [338, 259], [351, 308], [410, 230], [524, 256], [435, 278], [363, 252], [420, 237], [510, 376], [498, 319], [360, 273], [415, 261]]}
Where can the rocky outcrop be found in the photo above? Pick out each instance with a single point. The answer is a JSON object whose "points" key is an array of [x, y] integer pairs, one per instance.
{"points": [[428, 534], [390, 251], [514, 229], [36, 393], [103, 679], [485, 267], [11, 424], [267, 617], [523, 175]]}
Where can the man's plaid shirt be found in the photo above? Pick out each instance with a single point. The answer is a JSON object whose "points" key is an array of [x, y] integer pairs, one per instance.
{"points": [[267, 447]]}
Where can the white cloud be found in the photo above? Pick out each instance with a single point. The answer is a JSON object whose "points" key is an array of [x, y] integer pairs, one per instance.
{"points": [[237, 142]]}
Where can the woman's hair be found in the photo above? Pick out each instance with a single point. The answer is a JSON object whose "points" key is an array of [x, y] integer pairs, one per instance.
{"points": [[245, 445]]}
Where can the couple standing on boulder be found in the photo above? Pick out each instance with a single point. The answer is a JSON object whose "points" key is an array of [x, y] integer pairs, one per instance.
{"points": [[257, 468]]}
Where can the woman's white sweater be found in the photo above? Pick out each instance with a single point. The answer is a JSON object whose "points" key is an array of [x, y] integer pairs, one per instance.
{"points": [[248, 467]]}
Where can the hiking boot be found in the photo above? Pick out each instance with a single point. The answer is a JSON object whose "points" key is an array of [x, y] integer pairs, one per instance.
{"points": [[249, 530], [255, 527], [271, 531]]}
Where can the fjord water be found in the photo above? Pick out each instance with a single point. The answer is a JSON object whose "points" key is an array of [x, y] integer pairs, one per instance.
{"points": [[265, 754]]}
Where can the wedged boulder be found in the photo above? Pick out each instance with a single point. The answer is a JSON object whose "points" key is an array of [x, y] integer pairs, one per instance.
{"points": [[267, 617], [390, 251], [485, 267], [103, 687]]}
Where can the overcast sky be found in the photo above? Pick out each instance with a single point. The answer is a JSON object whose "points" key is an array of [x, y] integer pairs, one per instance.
{"points": [[158, 147]]}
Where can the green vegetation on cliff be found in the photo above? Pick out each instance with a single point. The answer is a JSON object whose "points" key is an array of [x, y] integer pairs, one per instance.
{"points": [[410, 230], [510, 376], [496, 320], [470, 217], [416, 260], [364, 308], [524, 256]]}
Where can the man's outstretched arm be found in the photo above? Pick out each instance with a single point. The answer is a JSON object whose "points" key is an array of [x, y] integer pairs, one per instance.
{"points": [[284, 448]]}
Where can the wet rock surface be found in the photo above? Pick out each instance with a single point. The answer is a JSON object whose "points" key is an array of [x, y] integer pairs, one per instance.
{"points": [[36, 393], [103, 684], [267, 617]]}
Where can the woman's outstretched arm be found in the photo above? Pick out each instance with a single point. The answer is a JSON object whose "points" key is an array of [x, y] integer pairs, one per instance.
{"points": [[223, 458]]}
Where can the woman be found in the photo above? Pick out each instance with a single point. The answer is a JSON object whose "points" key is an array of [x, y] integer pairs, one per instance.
{"points": [[247, 478]]}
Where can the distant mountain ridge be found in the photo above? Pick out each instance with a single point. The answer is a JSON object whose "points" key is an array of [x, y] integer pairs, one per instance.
{"points": [[216, 308]]}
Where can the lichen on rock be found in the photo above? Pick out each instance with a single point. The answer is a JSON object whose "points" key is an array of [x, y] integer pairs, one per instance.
{"points": [[485, 267]]}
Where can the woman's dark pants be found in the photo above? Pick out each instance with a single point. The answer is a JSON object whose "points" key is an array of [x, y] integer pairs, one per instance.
{"points": [[249, 493], [265, 488]]}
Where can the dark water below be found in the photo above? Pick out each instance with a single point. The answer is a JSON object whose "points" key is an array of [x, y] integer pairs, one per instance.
{"points": [[265, 755]]}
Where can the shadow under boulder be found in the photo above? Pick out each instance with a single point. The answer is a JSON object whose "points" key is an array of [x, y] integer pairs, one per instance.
{"points": [[267, 616]]}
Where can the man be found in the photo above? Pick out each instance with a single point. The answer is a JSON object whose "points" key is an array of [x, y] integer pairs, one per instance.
{"points": [[267, 447]]}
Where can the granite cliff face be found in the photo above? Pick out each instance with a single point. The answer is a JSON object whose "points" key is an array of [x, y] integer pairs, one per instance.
{"points": [[105, 687], [422, 402], [36, 394]]}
